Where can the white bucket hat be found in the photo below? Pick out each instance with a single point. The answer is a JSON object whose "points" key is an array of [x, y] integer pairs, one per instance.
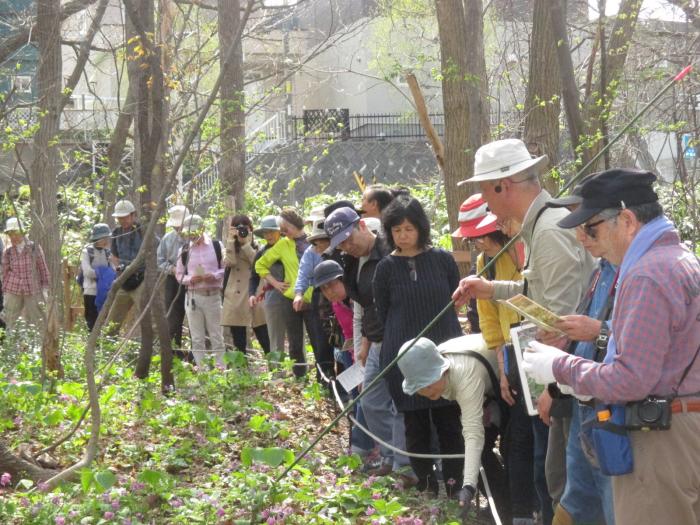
{"points": [[421, 366], [501, 159], [12, 225], [176, 215]]}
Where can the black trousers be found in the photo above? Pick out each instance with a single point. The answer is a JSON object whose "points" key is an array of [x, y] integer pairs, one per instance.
{"points": [[449, 430], [90, 311], [319, 337], [518, 456], [240, 337], [175, 313]]}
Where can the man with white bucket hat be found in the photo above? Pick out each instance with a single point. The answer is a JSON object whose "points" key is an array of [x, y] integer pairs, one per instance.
{"points": [[555, 275]]}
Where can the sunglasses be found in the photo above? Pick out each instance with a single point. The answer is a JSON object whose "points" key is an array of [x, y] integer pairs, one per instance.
{"points": [[590, 228]]}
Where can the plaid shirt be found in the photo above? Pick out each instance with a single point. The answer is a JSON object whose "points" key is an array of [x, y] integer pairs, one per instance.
{"points": [[24, 273], [656, 325]]}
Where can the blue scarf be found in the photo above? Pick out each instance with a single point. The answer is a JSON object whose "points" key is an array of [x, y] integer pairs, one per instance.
{"points": [[641, 244]]}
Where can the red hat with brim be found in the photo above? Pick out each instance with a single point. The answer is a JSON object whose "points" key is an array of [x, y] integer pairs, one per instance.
{"points": [[471, 217]]}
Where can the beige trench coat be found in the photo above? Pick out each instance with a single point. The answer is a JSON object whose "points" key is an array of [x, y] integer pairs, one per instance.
{"points": [[236, 311]]}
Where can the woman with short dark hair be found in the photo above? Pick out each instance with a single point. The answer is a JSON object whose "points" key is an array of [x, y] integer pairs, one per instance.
{"points": [[411, 286]]}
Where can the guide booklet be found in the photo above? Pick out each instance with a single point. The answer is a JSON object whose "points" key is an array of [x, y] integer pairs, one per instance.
{"points": [[534, 312]]}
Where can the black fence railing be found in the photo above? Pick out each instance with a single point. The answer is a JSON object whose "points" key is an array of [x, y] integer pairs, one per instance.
{"points": [[339, 124]]}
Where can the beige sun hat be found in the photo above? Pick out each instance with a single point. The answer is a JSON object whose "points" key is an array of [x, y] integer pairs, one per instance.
{"points": [[501, 159], [176, 215]]}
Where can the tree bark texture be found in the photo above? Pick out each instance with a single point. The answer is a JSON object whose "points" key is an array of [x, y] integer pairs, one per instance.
{"points": [[20, 468], [44, 169], [147, 80], [463, 93], [585, 126], [232, 101], [542, 103]]}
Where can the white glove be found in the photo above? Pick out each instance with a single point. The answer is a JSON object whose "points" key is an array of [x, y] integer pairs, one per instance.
{"points": [[569, 391], [539, 359]]}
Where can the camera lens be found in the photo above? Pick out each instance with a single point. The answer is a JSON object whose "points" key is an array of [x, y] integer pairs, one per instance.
{"points": [[649, 412], [242, 231]]}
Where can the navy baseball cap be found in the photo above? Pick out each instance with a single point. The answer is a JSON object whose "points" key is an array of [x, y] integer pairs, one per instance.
{"points": [[572, 199], [615, 188], [339, 225]]}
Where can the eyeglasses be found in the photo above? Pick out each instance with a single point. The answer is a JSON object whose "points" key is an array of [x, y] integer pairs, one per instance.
{"points": [[412, 269], [590, 228]]}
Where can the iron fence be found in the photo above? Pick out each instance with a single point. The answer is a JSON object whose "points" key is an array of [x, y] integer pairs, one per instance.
{"points": [[339, 124]]}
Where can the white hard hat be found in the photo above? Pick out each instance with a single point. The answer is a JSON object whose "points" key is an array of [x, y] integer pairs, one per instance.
{"points": [[12, 225], [123, 208], [176, 215]]}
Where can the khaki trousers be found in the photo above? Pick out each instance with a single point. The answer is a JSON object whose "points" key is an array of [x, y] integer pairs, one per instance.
{"points": [[27, 306], [664, 488], [123, 302]]}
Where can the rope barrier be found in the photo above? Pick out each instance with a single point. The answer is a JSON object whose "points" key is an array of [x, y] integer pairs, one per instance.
{"points": [[378, 440]]}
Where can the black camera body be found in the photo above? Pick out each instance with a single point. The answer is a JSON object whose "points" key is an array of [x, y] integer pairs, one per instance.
{"points": [[651, 413], [243, 231]]}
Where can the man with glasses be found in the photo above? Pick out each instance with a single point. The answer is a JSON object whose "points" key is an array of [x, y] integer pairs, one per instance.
{"points": [[555, 274], [651, 364], [587, 495]]}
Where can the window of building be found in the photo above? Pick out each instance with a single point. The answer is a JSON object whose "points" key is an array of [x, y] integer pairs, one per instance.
{"points": [[22, 84]]}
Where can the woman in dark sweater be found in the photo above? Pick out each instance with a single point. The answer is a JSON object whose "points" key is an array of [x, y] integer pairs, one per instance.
{"points": [[411, 286]]}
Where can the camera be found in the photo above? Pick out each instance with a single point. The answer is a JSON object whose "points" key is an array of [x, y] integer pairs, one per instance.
{"points": [[651, 413], [243, 231]]}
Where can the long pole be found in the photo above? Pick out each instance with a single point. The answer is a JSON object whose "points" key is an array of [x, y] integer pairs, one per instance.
{"points": [[451, 304]]}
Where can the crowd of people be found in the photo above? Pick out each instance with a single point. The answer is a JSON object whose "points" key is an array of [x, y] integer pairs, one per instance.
{"points": [[618, 424]]}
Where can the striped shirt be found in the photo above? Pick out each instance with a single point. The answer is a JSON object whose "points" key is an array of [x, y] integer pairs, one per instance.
{"points": [[656, 325], [24, 272]]}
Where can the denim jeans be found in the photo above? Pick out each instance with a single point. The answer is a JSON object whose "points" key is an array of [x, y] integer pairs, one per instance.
{"points": [[588, 494], [382, 418]]}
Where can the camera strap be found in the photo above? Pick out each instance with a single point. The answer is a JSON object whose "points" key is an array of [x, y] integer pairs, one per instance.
{"points": [[685, 373], [529, 248]]}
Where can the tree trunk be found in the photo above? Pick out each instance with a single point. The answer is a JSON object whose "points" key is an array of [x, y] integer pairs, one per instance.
{"points": [[466, 112], [147, 81], [115, 152], [44, 170], [584, 128], [567, 75], [232, 100], [20, 468], [542, 105]]}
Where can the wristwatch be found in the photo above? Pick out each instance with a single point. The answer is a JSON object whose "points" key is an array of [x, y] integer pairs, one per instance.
{"points": [[601, 341]]}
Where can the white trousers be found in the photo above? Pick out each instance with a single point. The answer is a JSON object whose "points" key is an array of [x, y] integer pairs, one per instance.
{"points": [[204, 319]]}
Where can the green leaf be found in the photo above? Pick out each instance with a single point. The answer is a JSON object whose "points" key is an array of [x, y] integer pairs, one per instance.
{"points": [[105, 479], [25, 484], [151, 477], [86, 478]]}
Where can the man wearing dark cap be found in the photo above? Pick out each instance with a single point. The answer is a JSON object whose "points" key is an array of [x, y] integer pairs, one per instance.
{"points": [[365, 249], [587, 496], [652, 350]]}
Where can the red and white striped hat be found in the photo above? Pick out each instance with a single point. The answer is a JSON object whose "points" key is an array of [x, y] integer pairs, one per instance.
{"points": [[472, 213]]}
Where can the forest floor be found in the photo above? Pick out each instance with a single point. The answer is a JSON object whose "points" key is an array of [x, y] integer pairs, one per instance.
{"points": [[210, 452]]}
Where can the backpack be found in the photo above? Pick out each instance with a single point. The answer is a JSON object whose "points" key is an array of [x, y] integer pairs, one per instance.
{"points": [[496, 399], [185, 254]]}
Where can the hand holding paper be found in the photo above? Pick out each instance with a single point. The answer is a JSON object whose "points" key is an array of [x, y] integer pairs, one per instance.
{"points": [[539, 359]]}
